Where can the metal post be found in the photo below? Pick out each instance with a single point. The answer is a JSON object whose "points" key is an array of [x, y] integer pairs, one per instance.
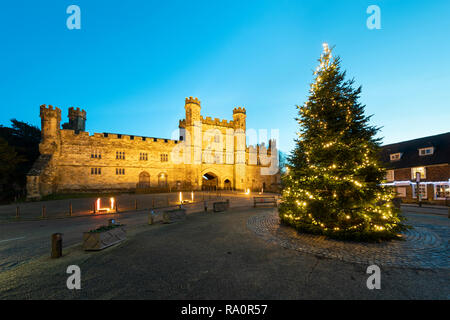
{"points": [[94, 208], [56, 245], [135, 204], [117, 206], [43, 211], [150, 217], [70, 208], [17, 212], [153, 203]]}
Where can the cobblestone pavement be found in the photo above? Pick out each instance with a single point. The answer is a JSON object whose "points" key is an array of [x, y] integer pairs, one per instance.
{"points": [[425, 246]]}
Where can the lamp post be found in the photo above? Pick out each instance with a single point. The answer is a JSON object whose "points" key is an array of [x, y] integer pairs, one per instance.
{"points": [[418, 194]]}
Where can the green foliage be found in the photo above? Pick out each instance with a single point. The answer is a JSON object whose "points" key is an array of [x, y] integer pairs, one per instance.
{"points": [[24, 140], [333, 186]]}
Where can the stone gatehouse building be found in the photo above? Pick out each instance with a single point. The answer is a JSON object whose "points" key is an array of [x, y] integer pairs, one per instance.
{"points": [[210, 153]]}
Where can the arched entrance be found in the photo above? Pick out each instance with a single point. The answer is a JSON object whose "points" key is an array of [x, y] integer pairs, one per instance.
{"points": [[227, 184], [210, 181], [144, 180], [162, 180]]}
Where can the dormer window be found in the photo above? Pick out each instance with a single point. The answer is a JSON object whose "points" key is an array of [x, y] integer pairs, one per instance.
{"points": [[396, 156], [426, 151]]}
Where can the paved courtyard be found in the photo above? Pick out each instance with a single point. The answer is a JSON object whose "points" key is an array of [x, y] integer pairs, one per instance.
{"points": [[240, 254], [424, 246]]}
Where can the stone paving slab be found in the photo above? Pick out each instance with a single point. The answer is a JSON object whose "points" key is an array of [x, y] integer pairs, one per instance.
{"points": [[424, 247]]}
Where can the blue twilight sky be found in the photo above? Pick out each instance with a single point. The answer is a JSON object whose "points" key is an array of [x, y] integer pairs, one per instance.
{"points": [[133, 62]]}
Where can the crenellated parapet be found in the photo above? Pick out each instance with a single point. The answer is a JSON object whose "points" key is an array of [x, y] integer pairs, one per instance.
{"points": [[50, 112], [192, 100], [239, 110], [76, 113], [217, 122]]}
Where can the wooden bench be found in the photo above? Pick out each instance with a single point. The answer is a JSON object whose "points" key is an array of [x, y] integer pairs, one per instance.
{"points": [[264, 200]]}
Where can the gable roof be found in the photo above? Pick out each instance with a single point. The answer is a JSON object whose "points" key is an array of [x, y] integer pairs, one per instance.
{"points": [[410, 152]]}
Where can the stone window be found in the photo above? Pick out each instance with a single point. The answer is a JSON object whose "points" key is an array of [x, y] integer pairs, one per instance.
{"points": [[96, 171], [426, 151], [143, 156], [120, 171], [120, 155], [164, 157], [96, 154], [420, 170]]}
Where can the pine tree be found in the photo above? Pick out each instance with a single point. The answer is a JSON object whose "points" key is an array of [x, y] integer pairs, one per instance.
{"points": [[334, 182]]}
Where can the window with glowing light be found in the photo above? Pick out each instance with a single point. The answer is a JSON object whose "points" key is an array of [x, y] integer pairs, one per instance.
{"points": [[395, 156], [442, 191], [390, 175], [420, 170], [422, 191]]}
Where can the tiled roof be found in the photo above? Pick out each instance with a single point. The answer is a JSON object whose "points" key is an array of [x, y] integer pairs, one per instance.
{"points": [[410, 152]]}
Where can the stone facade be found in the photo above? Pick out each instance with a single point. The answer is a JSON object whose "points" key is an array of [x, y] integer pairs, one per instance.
{"points": [[210, 153]]}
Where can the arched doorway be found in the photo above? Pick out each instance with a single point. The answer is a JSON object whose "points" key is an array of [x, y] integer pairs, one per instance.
{"points": [[227, 184], [144, 180], [210, 181], [162, 180]]}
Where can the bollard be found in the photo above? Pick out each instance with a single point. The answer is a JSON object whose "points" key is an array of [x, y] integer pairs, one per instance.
{"points": [[135, 204], [70, 208], [150, 217], [206, 206], [17, 212], [56, 245], [93, 206], [117, 206], [153, 203], [43, 212]]}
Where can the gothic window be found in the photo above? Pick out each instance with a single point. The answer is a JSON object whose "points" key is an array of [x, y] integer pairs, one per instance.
{"points": [[120, 155], [96, 154], [164, 157], [120, 171], [96, 171], [143, 156]]}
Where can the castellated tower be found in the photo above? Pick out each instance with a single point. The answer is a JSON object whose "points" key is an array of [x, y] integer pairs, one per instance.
{"points": [[239, 120], [77, 120], [50, 129], [193, 130]]}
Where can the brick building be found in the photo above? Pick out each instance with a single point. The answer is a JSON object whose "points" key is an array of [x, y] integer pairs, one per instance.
{"points": [[428, 157]]}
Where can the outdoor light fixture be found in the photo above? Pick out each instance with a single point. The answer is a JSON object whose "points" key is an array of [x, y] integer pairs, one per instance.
{"points": [[99, 208]]}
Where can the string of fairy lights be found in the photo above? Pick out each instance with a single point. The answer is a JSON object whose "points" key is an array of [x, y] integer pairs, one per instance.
{"points": [[329, 181]]}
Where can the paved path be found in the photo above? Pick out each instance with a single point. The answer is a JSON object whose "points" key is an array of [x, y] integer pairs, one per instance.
{"points": [[213, 256], [424, 246]]}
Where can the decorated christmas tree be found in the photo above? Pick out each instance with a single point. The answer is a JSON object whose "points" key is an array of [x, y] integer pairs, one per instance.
{"points": [[334, 182]]}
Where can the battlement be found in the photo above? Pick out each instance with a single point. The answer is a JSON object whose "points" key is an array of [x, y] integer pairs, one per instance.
{"points": [[217, 122], [69, 135], [75, 113], [239, 110], [192, 100], [182, 123], [50, 112]]}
